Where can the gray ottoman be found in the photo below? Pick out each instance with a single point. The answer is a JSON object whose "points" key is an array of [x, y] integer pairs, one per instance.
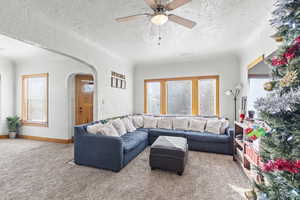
{"points": [[169, 153]]}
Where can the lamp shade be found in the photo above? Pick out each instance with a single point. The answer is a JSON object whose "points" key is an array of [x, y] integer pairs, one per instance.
{"points": [[228, 92]]}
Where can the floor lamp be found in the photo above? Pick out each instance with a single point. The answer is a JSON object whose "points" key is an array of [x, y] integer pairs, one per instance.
{"points": [[234, 93]]}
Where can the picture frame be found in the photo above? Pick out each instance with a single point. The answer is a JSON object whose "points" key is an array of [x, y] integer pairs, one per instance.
{"points": [[113, 82], [118, 83], [123, 84]]}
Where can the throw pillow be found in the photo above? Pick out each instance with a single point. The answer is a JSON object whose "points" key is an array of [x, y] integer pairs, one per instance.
{"points": [[197, 125], [150, 122], [213, 126], [109, 130], [165, 123], [138, 121], [119, 126], [180, 124], [128, 125], [225, 125], [94, 129]]}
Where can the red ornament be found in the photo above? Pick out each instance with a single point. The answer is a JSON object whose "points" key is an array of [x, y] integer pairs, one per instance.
{"points": [[248, 130], [291, 52], [282, 165], [279, 62], [268, 167], [297, 164], [253, 137]]}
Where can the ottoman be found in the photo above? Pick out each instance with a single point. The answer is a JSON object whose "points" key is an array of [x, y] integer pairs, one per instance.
{"points": [[169, 153]]}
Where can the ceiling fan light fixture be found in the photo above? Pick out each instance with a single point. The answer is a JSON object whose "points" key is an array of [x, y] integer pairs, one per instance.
{"points": [[159, 19]]}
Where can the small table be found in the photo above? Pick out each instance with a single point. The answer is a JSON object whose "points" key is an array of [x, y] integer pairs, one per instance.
{"points": [[169, 153]]}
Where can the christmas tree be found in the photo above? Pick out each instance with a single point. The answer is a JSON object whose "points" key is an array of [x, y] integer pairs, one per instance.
{"points": [[280, 148]]}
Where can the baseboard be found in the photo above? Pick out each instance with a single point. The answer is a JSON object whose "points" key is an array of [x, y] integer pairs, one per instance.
{"points": [[3, 136], [45, 139]]}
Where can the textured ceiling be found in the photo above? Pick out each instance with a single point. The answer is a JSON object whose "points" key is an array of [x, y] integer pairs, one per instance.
{"points": [[16, 50], [222, 26]]}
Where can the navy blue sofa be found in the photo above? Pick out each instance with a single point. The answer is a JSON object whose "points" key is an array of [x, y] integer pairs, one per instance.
{"points": [[114, 153]]}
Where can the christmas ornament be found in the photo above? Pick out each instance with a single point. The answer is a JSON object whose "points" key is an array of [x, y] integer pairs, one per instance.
{"points": [[279, 61], [291, 52], [256, 133], [288, 79], [269, 86], [282, 165]]}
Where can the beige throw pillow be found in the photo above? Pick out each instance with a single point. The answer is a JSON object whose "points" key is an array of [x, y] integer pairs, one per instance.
{"points": [[128, 125], [119, 126], [150, 122], [94, 129], [197, 125], [138, 121], [225, 125], [109, 130], [213, 126], [180, 124], [165, 123]]}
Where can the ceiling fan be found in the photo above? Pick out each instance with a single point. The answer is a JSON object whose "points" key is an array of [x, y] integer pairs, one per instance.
{"points": [[160, 16]]}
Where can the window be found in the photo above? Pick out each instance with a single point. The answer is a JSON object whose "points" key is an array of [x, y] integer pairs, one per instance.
{"points": [[153, 97], [35, 100], [256, 90], [207, 96], [179, 97], [182, 96]]}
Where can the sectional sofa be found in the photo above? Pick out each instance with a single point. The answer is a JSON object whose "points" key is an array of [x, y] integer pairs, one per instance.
{"points": [[114, 153]]}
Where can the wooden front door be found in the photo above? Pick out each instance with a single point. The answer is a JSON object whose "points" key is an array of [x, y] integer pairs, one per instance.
{"points": [[84, 97]]}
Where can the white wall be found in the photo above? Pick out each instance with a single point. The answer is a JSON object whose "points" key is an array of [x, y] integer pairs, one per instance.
{"points": [[59, 71], [226, 66], [40, 31], [259, 45], [7, 100]]}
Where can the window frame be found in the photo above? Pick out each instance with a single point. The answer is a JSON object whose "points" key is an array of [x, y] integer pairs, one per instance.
{"points": [[25, 121], [195, 93]]}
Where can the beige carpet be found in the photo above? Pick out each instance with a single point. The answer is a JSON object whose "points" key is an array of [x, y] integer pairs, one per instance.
{"points": [[40, 170]]}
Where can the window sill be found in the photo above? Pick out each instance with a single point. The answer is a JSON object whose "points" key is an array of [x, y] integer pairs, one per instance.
{"points": [[37, 124]]}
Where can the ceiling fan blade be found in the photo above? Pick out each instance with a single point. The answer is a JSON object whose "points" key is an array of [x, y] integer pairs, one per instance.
{"points": [[151, 3], [182, 21], [176, 4], [132, 17]]}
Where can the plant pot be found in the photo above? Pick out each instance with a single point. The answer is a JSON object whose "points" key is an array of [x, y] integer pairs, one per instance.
{"points": [[12, 135]]}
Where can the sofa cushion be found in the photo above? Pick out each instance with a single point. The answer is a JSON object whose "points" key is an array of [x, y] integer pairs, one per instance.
{"points": [[94, 129], [207, 137], [132, 140], [165, 123], [109, 130], [138, 121], [150, 122], [180, 124], [128, 125], [165, 132], [214, 126], [119, 126], [197, 125]]}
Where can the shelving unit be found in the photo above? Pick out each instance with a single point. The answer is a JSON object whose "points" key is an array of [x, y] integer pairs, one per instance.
{"points": [[244, 153]]}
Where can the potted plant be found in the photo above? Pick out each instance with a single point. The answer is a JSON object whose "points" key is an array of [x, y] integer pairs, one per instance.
{"points": [[13, 123]]}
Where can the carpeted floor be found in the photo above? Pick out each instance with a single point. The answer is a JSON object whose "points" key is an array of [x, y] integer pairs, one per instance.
{"points": [[40, 170]]}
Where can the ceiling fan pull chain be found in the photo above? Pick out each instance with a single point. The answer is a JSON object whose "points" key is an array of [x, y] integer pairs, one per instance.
{"points": [[159, 36]]}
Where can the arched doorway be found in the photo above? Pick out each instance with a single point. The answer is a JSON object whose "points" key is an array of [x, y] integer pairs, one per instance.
{"points": [[73, 80]]}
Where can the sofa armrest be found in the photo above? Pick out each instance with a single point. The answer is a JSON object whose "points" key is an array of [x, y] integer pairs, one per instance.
{"points": [[97, 150], [229, 132]]}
